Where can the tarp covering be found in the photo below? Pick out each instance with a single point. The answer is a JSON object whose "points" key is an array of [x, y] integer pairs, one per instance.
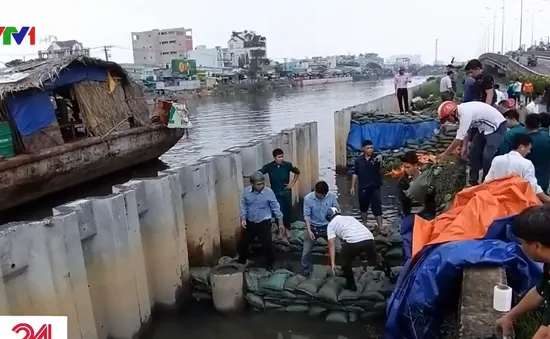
{"points": [[446, 245], [31, 111], [76, 74], [389, 135]]}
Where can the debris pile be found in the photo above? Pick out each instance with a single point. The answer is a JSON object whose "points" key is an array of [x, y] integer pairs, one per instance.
{"points": [[322, 294]]}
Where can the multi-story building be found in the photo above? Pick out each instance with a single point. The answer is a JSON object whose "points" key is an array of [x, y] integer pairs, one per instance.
{"points": [[60, 49], [207, 57], [244, 46], [160, 46], [140, 72]]}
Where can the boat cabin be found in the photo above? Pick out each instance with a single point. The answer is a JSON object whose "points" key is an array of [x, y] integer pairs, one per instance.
{"points": [[48, 103]]}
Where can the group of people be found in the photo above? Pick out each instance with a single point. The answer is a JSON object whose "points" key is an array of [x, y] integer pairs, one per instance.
{"points": [[322, 217], [493, 140]]}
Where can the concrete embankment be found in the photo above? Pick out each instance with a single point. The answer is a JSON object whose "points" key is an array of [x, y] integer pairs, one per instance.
{"points": [[105, 262], [312, 82]]}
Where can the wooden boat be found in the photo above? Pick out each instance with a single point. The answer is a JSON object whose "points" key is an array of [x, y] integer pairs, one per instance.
{"points": [[72, 120]]}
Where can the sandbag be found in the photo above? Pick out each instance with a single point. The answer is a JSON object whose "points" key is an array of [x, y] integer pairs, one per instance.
{"points": [[275, 282], [352, 316], [292, 282], [252, 276], [394, 253], [255, 300], [310, 286], [296, 237], [298, 225], [331, 289], [337, 317], [316, 310], [371, 291], [297, 308], [270, 305]]}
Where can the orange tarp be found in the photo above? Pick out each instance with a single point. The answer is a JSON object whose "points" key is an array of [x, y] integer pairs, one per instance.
{"points": [[474, 209]]}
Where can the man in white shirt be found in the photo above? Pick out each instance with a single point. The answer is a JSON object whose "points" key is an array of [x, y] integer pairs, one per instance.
{"points": [[492, 128], [446, 87], [533, 106], [356, 239], [500, 95], [514, 162], [401, 83], [518, 86]]}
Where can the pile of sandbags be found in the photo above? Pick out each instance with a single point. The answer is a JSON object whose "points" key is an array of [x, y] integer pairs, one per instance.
{"points": [[371, 117], [321, 294], [435, 145]]}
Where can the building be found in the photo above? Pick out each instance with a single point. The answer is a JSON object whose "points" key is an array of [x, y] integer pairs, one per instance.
{"points": [[207, 57], [245, 46], [140, 72], [415, 59], [160, 46], [61, 49]]}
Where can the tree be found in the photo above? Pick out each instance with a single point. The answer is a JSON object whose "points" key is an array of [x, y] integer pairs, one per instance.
{"points": [[14, 62]]}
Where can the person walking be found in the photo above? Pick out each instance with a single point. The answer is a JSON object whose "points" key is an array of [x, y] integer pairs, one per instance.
{"points": [[491, 126], [367, 175], [279, 177], [356, 239], [446, 87], [316, 206], [401, 83], [258, 204]]}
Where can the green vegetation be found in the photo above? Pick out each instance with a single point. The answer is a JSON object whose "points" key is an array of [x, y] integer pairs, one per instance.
{"points": [[527, 325], [428, 88]]}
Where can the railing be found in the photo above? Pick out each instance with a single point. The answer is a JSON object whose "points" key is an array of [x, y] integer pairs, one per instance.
{"points": [[507, 64]]}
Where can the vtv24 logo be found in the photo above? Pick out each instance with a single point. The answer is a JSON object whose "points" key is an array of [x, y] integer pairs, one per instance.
{"points": [[33, 327]]}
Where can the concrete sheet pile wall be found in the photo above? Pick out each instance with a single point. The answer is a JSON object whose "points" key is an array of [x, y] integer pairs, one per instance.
{"points": [[106, 261]]}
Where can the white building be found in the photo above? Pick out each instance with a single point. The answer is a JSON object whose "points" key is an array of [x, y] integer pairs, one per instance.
{"points": [[207, 57], [160, 46], [244, 46], [140, 71], [60, 49]]}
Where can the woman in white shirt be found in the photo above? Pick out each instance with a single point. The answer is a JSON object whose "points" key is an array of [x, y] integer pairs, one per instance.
{"points": [[491, 125]]}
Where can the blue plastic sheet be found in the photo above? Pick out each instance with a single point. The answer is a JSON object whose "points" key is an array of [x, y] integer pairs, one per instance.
{"points": [[389, 135], [422, 291], [31, 111]]}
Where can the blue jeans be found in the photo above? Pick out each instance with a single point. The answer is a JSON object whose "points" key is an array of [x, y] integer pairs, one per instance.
{"points": [[307, 252]]}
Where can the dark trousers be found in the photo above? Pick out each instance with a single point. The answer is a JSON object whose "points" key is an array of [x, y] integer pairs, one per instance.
{"points": [[262, 231], [403, 99], [285, 202], [484, 148], [446, 96], [370, 197], [351, 251]]}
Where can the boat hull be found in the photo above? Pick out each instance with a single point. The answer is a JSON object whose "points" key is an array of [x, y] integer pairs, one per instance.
{"points": [[29, 177]]}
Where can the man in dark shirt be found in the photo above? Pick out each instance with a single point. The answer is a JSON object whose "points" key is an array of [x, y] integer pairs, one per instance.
{"points": [[540, 150], [279, 176], [532, 228], [485, 83], [368, 171], [546, 97]]}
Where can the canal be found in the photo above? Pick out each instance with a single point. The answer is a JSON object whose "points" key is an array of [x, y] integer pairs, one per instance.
{"points": [[220, 123]]}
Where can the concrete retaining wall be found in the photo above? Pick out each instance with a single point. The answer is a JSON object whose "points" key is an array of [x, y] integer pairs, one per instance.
{"points": [[342, 118], [312, 82], [106, 261]]}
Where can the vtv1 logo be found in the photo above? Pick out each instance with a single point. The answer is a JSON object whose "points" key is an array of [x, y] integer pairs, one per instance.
{"points": [[7, 33], [45, 332], [33, 327]]}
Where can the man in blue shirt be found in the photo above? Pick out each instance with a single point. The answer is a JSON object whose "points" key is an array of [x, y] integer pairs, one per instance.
{"points": [[470, 90], [258, 204], [368, 171], [316, 206]]}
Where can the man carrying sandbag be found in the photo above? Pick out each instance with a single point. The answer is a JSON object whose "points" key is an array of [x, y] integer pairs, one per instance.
{"points": [[258, 204], [356, 240], [491, 126], [416, 191]]}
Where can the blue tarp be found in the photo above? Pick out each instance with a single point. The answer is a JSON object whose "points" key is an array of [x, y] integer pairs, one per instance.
{"points": [[31, 111], [423, 289], [389, 135]]}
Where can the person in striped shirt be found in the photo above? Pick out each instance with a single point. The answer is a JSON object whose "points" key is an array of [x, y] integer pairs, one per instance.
{"points": [[356, 240]]}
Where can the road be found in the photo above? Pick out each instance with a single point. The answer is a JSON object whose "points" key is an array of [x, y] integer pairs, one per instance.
{"points": [[543, 65]]}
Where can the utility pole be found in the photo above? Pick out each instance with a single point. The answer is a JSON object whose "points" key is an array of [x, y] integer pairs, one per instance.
{"points": [[435, 61], [494, 28], [521, 23], [533, 28], [502, 37], [107, 49]]}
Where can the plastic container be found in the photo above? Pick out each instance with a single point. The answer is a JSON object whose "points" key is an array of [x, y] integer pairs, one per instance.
{"points": [[6, 141]]}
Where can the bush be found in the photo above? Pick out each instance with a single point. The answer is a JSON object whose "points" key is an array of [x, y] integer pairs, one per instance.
{"points": [[428, 88]]}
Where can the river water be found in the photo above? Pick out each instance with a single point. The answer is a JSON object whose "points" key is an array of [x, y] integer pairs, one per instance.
{"points": [[218, 124]]}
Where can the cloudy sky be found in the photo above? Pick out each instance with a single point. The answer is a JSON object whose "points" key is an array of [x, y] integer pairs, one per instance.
{"points": [[293, 28]]}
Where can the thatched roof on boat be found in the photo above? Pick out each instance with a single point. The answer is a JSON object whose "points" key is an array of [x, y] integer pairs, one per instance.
{"points": [[34, 74]]}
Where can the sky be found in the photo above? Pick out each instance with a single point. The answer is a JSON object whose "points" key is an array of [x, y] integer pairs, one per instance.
{"points": [[293, 28]]}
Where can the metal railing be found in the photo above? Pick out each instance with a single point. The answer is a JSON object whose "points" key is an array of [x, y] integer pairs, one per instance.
{"points": [[508, 64]]}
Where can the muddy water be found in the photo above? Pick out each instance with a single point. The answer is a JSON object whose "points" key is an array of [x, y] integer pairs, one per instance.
{"points": [[220, 123]]}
